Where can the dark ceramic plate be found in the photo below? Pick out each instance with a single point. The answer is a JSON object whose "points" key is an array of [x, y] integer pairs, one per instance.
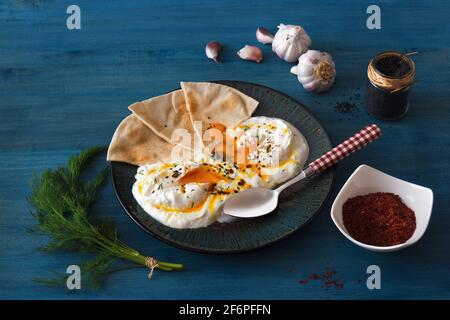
{"points": [[297, 206]]}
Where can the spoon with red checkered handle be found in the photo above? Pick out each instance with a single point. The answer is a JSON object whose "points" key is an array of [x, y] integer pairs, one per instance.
{"points": [[257, 202]]}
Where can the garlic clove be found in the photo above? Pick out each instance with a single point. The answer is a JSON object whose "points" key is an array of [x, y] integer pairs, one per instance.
{"points": [[294, 70], [212, 50], [250, 53], [312, 86], [264, 36]]}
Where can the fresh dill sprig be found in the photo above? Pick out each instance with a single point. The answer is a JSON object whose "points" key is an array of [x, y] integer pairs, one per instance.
{"points": [[62, 202]]}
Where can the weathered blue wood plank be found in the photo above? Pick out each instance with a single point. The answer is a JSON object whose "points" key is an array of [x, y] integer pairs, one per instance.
{"points": [[65, 90]]}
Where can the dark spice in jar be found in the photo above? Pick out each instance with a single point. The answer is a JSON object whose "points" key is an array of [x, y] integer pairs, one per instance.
{"points": [[379, 219], [393, 66], [390, 77]]}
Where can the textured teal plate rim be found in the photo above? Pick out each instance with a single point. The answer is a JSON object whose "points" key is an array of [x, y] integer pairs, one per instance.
{"points": [[222, 238]]}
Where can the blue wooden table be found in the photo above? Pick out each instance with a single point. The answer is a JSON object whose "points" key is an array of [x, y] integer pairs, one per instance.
{"points": [[63, 90]]}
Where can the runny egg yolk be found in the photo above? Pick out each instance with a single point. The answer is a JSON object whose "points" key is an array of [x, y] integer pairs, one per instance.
{"points": [[201, 175]]}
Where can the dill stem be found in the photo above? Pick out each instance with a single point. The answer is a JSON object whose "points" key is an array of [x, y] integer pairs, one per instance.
{"points": [[121, 250]]}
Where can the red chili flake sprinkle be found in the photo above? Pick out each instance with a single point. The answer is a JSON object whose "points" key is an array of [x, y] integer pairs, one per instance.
{"points": [[303, 281], [314, 276], [327, 280], [333, 283], [380, 219]]}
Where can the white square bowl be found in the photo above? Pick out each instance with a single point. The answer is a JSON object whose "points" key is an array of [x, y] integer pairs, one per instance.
{"points": [[366, 180]]}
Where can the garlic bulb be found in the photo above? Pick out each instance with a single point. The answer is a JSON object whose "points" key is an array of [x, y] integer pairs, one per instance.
{"points": [[250, 53], [290, 42], [315, 71]]}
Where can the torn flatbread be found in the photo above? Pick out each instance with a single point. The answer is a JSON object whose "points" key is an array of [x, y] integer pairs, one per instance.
{"points": [[215, 106], [167, 116], [133, 142]]}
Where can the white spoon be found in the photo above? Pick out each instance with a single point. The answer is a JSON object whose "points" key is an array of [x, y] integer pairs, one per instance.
{"points": [[257, 202]]}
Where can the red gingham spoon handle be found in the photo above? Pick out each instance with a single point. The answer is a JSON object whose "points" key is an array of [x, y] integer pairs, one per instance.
{"points": [[355, 142]]}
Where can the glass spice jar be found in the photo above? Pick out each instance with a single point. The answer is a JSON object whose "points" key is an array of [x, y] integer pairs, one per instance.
{"points": [[390, 77]]}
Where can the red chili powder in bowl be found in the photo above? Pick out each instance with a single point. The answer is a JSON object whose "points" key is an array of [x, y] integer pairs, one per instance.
{"points": [[379, 219]]}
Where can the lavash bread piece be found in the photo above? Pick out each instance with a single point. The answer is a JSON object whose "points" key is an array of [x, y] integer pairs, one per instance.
{"points": [[167, 116], [215, 106], [147, 136], [133, 142]]}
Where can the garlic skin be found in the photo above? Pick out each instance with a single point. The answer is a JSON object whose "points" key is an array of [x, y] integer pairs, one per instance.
{"points": [[264, 36], [315, 71], [290, 42], [250, 53], [212, 50]]}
